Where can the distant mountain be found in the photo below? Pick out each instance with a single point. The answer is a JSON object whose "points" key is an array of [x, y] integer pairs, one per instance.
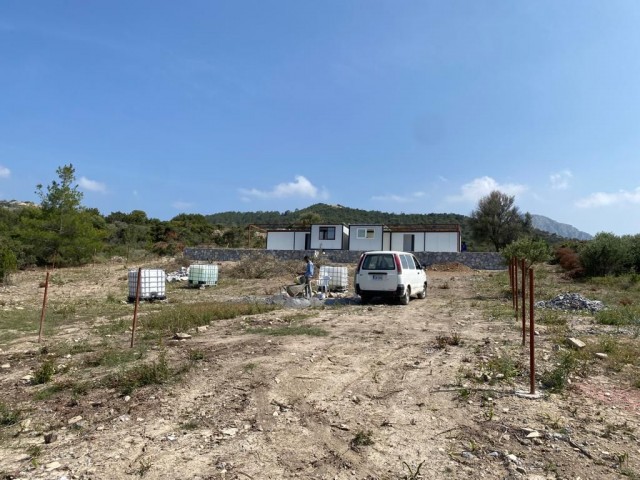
{"points": [[561, 229]]}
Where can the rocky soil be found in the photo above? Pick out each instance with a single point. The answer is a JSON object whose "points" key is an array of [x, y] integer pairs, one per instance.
{"points": [[390, 392]]}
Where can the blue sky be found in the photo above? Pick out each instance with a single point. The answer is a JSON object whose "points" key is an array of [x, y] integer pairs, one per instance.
{"points": [[400, 105]]}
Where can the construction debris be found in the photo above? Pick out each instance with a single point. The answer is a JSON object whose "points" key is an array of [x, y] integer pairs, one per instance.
{"points": [[571, 301]]}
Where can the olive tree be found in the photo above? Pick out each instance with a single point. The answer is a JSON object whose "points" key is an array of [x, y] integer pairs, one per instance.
{"points": [[498, 221]]}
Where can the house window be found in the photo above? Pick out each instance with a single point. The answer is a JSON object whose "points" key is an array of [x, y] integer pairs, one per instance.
{"points": [[365, 233], [327, 233]]}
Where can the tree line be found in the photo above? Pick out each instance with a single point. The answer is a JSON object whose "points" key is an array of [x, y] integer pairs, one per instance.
{"points": [[61, 232]]}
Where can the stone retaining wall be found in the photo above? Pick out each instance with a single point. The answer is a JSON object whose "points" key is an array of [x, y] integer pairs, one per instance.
{"points": [[475, 260]]}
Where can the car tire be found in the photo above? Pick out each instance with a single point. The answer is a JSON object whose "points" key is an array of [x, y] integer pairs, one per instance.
{"points": [[423, 293], [404, 299], [364, 298]]}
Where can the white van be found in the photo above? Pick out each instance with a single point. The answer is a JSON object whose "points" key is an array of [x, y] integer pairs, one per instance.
{"points": [[390, 274]]}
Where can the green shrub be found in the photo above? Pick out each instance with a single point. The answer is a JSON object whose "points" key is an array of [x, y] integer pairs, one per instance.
{"points": [[624, 315], [44, 373], [8, 415], [556, 380]]}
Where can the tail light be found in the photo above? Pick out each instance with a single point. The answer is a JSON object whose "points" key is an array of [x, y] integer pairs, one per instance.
{"points": [[398, 264], [360, 262]]}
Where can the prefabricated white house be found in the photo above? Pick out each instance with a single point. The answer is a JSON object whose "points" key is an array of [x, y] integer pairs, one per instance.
{"points": [[369, 237], [408, 238], [329, 237], [425, 238], [289, 239]]}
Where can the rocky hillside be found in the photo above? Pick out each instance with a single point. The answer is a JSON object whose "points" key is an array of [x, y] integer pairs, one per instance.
{"points": [[561, 229]]}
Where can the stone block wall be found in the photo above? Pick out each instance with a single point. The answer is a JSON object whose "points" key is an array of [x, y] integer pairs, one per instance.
{"points": [[475, 260]]}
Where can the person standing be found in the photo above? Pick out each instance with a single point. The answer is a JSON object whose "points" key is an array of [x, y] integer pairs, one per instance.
{"points": [[308, 275]]}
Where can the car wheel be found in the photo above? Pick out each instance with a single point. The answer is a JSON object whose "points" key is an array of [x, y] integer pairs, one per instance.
{"points": [[423, 293], [364, 298], [404, 299]]}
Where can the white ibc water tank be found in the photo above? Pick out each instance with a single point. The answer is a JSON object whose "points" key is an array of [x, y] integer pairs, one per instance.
{"points": [[337, 277], [203, 275], [152, 284]]}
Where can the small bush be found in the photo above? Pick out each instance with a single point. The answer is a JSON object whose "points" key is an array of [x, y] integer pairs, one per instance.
{"points": [[8, 415], [44, 373], [361, 439], [569, 261], [556, 380]]}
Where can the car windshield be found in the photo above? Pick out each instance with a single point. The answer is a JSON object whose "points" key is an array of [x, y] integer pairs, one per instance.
{"points": [[382, 261]]}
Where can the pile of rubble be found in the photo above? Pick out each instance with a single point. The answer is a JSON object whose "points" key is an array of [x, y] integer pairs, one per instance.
{"points": [[571, 301], [181, 275]]}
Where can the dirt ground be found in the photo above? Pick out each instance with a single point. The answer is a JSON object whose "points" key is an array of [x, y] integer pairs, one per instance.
{"points": [[382, 396]]}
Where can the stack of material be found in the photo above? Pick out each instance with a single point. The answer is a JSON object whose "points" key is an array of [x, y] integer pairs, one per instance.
{"points": [[571, 301]]}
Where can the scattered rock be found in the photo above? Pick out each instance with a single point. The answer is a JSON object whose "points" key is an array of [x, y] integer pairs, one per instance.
{"points": [[534, 434], [575, 343], [602, 355], [74, 420], [52, 466], [201, 329], [50, 437], [181, 336], [230, 432], [5, 366]]}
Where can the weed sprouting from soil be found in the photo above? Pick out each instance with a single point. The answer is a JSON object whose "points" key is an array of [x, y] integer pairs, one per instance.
{"points": [[8, 416], [44, 373], [453, 339], [555, 380], [361, 439], [413, 474], [154, 373]]}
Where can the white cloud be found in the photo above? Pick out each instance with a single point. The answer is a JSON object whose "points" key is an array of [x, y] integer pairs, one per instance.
{"points": [[301, 187], [483, 186], [4, 172], [560, 180], [180, 205], [399, 198], [602, 199], [92, 185]]}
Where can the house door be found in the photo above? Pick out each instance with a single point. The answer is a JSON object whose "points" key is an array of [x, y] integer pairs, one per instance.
{"points": [[408, 242], [307, 241]]}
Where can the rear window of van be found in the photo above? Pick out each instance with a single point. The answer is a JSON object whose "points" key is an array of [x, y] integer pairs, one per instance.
{"points": [[379, 261]]}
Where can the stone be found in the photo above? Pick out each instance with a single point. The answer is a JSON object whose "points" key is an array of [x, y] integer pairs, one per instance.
{"points": [[5, 366], [201, 329], [52, 466], [230, 432], [50, 437], [182, 336], [601, 355], [534, 434], [512, 458], [575, 343], [74, 420], [127, 398]]}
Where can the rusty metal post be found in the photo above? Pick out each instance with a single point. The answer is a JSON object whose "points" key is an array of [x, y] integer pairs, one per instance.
{"points": [[135, 308], [515, 285], [524, 296], [532, 349], [44, 308]]}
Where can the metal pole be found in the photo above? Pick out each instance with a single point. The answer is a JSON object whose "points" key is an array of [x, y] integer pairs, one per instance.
{"points": [[135, 308], [44, 307], [524, 295], [514, 288], [532, 349], [515, 285]]}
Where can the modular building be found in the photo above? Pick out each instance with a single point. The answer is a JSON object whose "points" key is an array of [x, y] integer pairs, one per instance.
{"points": [[329, 237]]}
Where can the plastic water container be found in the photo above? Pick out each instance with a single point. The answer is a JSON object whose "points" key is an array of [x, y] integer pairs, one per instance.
{"points": [[338, 280], [200, 275], [152, 284]]}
